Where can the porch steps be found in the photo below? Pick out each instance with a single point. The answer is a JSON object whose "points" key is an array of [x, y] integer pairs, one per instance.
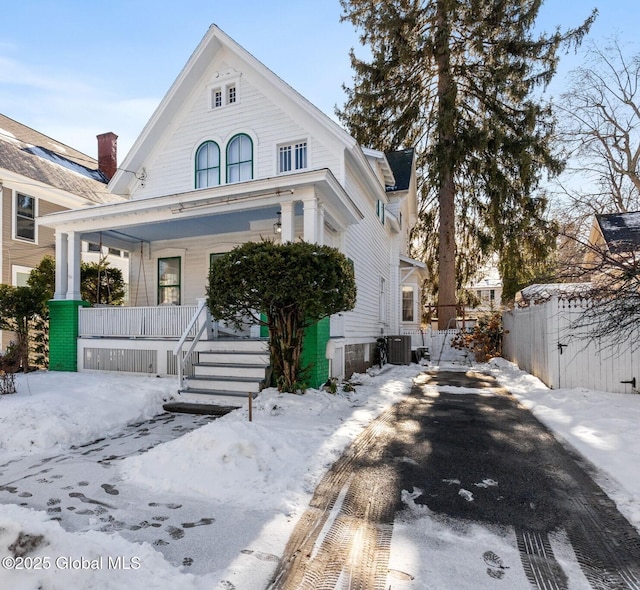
{"points": [[230, 371], [195, 408], [243, 385]]}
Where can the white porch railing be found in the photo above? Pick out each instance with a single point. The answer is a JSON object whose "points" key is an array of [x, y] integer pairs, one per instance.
{"points": [[168, 321], [438, 343], [198, 323]]}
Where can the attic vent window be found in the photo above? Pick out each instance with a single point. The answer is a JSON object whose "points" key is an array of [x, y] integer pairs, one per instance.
{"points": [[224, 95], [292, 157]]}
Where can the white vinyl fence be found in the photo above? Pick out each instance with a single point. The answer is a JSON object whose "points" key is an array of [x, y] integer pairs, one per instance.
{"points": [[438, 343], [542, 340]]}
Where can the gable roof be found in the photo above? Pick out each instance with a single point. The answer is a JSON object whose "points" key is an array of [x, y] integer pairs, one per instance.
{"points": [[28, 153], [213, 41], [621, 231]]}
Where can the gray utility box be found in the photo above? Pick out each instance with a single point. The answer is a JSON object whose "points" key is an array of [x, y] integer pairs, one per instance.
{"points": [[399, 350]]}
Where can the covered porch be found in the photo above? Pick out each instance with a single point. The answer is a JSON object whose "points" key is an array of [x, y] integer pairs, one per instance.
{"points": [[172, 240]]}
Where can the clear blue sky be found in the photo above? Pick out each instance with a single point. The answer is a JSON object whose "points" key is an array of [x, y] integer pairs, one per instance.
{"points": [[75, 68]]}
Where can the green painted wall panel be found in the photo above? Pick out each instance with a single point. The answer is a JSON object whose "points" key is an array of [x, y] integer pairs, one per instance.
{"points": [[63, 334], [314, 347]]}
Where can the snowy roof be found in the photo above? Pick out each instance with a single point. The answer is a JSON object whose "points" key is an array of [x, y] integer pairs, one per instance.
{"points": [[621, 231], [33, 155], [542, 292]]}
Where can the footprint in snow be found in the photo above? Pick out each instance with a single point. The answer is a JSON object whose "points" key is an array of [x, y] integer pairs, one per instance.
{"points": [[486, 483], [170, 506], [110, 489], [201, 522], [175, 532], [466, 494], [496, 567], [260, 555]]}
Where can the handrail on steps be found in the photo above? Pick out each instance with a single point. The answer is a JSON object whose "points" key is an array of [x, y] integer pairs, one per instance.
{"points": [[177, 351]]}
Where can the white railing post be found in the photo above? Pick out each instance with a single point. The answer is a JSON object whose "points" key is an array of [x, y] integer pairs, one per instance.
{"points": [[177, 351]]}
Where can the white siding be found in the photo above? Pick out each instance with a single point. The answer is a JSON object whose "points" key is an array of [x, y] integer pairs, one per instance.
{"points": [[170, 168], [368, 245]]}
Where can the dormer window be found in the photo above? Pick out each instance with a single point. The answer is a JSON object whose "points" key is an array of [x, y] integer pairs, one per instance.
{"points": [[292, 156], [217, 98], [231, 94]]}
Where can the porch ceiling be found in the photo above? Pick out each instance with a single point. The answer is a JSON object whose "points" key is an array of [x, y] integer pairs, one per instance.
{"points": [[189, 227]]}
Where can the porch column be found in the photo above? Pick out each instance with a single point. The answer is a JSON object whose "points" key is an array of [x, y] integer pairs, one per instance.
{"points": [[61, 266], [320, 238], [63, 308], [73, 267], [310, 219], [287, 219]]}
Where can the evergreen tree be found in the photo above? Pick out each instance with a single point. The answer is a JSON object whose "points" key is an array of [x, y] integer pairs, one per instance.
{"points": [[19, 307], [457, 79], [100, 283], [285, 287]]}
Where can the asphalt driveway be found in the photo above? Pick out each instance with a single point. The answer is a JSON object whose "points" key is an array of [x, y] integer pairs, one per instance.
{"points": [[457, 448]]}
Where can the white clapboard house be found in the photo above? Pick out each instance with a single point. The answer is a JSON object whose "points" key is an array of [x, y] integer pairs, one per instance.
{"points": [[232, 154]]}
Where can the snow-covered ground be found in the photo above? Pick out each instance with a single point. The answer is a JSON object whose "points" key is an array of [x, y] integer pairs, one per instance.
{"points": [[273, 464]]}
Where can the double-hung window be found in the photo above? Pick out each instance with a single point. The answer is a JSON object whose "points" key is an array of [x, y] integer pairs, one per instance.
{"points": [[240, 158], [208, 165], [169, 281], [25, 217], [292, 157], [407, 303]]}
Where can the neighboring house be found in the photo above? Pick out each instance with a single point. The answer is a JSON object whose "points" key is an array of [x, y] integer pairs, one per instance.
{"points": [[614, 234], [488, 290], [38, 176], [234, 154]]}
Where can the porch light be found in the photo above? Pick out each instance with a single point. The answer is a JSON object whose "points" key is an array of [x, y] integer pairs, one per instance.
{"points": [[277, 226]]}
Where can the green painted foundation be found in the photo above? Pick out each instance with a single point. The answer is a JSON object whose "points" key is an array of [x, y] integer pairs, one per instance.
{"points": [[63, 334], [314, 348]]}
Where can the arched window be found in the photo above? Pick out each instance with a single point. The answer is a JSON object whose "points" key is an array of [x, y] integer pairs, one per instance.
{"points": [[208, 165], [240, 158]]}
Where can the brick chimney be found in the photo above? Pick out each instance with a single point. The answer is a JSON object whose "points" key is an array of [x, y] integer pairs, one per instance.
{"points": [[108, 154]]}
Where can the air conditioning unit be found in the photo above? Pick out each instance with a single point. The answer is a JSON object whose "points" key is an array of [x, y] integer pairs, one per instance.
{"points": [[399, 350]]}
